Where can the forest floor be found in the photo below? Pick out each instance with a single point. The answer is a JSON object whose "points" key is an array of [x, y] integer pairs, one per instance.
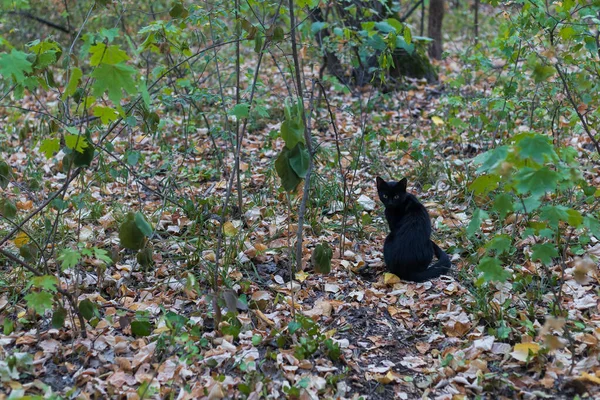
{"points": [[396, 340]]}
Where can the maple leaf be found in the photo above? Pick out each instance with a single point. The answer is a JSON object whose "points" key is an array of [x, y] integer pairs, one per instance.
{"points": [[114, 79], [14, 65], [39, 301], [50, 146], [102, 54]]}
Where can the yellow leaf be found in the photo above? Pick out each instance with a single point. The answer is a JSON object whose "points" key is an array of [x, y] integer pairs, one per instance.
{"points": [[390, 279], [522, 351], [21, 239], [301, 276], [229, 229], [590, 378], [437, 120]]}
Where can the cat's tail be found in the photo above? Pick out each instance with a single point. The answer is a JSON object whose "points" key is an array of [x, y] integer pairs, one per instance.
{"points": [[443, 262], [439, 268]]}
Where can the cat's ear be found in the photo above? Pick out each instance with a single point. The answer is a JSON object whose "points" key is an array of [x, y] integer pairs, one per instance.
{"points": [[402, 184], [380, 182]]}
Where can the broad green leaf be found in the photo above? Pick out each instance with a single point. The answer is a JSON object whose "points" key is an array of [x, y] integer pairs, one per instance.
{"points": [[544, 252], [484, 184], [103, 54], [299, 160], [69, 258], [14, 65], [178, 10], [76, 75], [141, 328], [289, 178], [317, 26], [292, 132], [39, 301], [241, 110], [76, 142], [574, 218], [537, 147], [500, 243], [293, 326], [478, 217], [130, 235], [50, 146], [48, 282], [491, 159], [321, 258], [106, 114], [536, 181], [278, 34], [58, 318], [29, 252], [554, 214], [503, 205], [144, 257], [142, 224], [5, 174], [542, 73], [113, 79], [88, 309], [492, 270], [8, 209]]}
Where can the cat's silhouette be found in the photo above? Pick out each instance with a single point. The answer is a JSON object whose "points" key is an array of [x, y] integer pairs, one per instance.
{"points": [[408, 249]]}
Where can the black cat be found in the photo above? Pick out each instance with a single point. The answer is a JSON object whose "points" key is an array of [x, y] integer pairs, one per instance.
{"points": [[408, 249]]}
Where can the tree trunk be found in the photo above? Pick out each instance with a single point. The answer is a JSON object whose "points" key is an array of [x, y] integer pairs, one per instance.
{"points": [[436, 15]]}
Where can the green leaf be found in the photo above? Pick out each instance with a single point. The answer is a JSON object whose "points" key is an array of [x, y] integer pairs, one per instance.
{"points": [[542, 73], [8, 209], [48, 282], [29, 252], [14, 65], [289, 178], [317, 26], [278, 34], [293, 326], [503, 205], [321, 258], [484, 184], [536, 181], [58, 318], [241, 110], [39, 301], [50, 146], [103, 54], [144, 257], [5, 174], [130, 235], [142, 224], [258, 43], [88, 309], [544, 252], [492, 270], [491, 159], [299, 160], [102, 255], [113, 79], [69, 258], [106, 114], [76, 142], [76, 75], [178, 10], [478, 216], [500, 243], [292, 132], [554, 214], [537, 147], [141, 328]]}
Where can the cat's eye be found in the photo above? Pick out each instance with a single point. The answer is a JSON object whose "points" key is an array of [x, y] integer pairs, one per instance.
{"points": [[384, 196], [396, 197]]}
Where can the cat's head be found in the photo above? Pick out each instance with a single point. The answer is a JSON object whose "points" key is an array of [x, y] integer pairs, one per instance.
{"points": [[392, 194]]}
